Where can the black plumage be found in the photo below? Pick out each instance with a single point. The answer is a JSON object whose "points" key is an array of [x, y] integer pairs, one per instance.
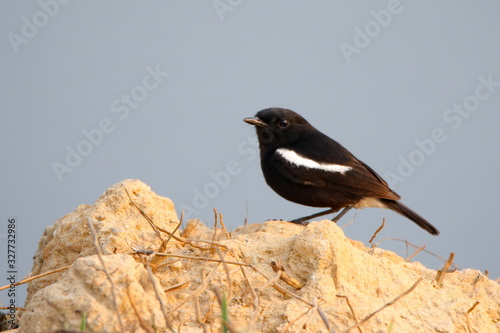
{"points": [[307, 167]]}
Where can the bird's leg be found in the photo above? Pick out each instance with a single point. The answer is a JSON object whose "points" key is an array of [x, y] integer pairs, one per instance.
{"points": [[342, 213], [302, 220]]}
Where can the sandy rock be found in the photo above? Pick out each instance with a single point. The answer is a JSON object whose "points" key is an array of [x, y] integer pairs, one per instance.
{"points": [[118, 225], [341, 278], [85, 291], [330, 266]]}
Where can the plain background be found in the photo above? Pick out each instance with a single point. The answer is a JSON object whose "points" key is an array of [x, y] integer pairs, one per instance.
{"points": [[74, 71]]}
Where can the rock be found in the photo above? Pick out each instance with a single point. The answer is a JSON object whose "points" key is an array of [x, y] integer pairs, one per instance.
{"points": [[118, 225], [342, 279], [84, 294]]}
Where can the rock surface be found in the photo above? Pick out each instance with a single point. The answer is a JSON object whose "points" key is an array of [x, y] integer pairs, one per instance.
{"points": [[85, 292], [118, 225], [343, 281]]}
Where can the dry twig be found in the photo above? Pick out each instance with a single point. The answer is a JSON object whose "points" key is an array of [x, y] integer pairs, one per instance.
{"points": [[352, 310], [31, 278], [228, 275], [245, 222], [285, 277], [351, 221], [377, 231], [221, 220], [136, 311], [324, 317], [385, 305], [416, 252], [197, 258], [14, 308], [271, 281], [159, 298], [416, 247], [157, 229], [156, 260], [480, 275], [101, 259], [311, 312], [467, 316], [198, 314], [177, 287], [198, 290], [291, 323], [256, 302], [151, 223], [278, 287], [442, 272]]}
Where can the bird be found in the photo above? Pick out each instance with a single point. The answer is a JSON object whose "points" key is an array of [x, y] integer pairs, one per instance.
{"points": [[307, 167]]}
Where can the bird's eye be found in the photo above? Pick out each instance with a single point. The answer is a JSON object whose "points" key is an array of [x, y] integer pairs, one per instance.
{"points": [[283, 123]]}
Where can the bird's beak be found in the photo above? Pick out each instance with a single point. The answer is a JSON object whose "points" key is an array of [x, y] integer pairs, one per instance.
{"points": [[255, 121]]}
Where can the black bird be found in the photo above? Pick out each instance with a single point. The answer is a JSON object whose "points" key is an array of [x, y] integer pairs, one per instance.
{"points": [[307, 167]]}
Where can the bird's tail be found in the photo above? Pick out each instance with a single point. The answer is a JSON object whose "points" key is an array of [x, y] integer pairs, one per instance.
{"points": [[410, 214]]}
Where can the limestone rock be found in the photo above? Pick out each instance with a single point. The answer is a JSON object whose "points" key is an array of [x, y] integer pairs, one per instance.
{"points": [[84, 294], [342, 279], [331, 266], [118, 225]]}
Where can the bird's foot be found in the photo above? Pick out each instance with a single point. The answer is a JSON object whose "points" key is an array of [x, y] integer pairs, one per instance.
{"points": [[301, 221], [342, 213]]}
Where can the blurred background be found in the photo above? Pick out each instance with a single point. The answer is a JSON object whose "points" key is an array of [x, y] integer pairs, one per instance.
{"points": [[92, 93]]}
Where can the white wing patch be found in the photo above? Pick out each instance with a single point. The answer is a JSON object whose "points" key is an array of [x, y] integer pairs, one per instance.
{"points": [[301, 161]]}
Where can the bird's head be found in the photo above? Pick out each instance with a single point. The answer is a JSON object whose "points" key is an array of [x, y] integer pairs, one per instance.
{"points": [[278, 127]]}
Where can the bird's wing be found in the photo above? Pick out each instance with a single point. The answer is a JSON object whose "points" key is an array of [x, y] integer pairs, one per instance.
{"points": [[359, 180]]}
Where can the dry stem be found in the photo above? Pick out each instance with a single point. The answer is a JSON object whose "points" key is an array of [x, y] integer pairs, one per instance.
{"points": [[415, 253], [99, 254], [285, 277], [385, 305], [29, 279], [377, 231], [136, 311], [467, 316], [352, 310], [441, 273]]}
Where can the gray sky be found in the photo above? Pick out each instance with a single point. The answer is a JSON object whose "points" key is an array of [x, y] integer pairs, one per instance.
{"points": [[93, 93]]}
